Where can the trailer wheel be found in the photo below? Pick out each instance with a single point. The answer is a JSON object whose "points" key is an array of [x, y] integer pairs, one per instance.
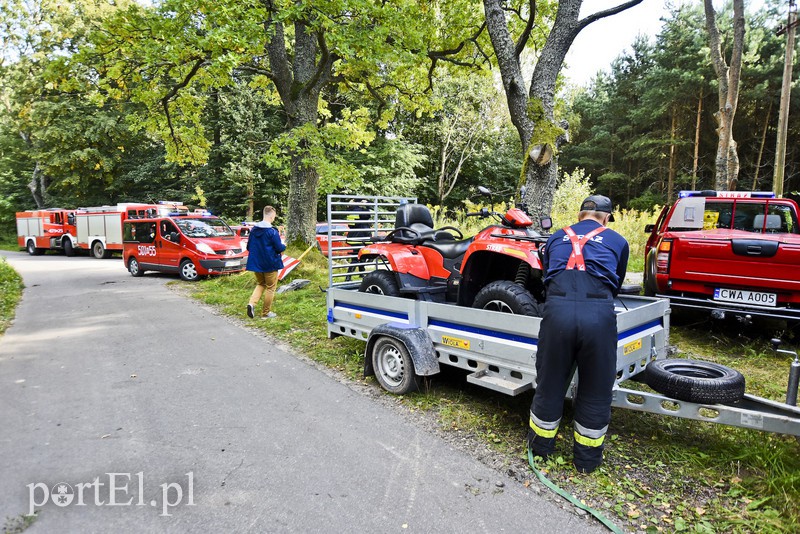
{"points": [[380, 282], [695, 381], [134, 267], [507, 297], [99, 251], [69, 250], [188, 271], [393, 366], [33, 250]]}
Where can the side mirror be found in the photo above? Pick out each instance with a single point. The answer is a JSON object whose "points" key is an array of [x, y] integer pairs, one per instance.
{"points": [[648, 228], [546, 223], [484, 191]]}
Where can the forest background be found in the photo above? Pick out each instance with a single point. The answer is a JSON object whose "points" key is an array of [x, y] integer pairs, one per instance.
{"points": [[107, 102]]}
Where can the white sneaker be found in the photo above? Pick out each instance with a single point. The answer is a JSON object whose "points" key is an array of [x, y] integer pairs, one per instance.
{"points": [[251, 312], [270, 315]]}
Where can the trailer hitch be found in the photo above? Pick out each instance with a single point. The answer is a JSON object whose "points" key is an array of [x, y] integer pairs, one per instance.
{"points": [[794, 372]]}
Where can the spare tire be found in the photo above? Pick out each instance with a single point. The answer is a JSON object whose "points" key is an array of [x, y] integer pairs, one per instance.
{"points": [[695, 381]]}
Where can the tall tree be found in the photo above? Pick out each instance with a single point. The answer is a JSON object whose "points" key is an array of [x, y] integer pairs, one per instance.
{"points": [[168, 56], [532, 111], [728, 78]]}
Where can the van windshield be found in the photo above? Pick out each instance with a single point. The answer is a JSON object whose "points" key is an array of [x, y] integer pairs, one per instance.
{"points": [[204, 227]]}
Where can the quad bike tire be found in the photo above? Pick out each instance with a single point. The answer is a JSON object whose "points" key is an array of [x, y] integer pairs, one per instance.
{"points": [[507, 297], [695, 381], [380, 283]]}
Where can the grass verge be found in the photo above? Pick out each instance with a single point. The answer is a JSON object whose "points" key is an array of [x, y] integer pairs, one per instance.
{"points": [[10, 293], [661, 474]]}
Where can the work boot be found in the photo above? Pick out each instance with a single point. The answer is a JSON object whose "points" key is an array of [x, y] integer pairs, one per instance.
{"points": [[536, 448]]}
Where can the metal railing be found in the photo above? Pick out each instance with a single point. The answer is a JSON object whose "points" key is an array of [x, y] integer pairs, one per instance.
{"points": [[355, 221]]}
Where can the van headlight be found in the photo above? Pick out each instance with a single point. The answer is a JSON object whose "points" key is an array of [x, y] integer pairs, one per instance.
{"points": [[205, 249]]}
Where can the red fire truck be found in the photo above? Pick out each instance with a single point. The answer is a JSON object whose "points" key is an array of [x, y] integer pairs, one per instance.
{"points": [[42, 230], [96, 229]]}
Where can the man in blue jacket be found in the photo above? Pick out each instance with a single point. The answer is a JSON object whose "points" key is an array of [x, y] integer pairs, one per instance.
{"points": [[265, 247], [584, 266]]}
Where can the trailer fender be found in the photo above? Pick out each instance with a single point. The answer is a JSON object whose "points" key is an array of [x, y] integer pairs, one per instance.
{"points": [[416, 341]]}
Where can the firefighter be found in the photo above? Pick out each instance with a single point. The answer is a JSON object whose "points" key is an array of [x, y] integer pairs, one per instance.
{"points": [[584, 267]]}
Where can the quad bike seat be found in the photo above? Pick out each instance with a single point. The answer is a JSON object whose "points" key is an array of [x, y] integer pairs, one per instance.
{"points": [[416, 217], [449, 248]]}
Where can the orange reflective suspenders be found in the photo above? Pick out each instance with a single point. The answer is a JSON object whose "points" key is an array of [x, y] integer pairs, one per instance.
{"points": [[576, 258]]}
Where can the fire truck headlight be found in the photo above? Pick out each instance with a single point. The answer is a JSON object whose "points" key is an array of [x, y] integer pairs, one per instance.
{"points": [[205, 249]]}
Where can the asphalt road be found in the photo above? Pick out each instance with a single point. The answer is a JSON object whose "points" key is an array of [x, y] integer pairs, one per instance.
{"points": [[118, 389]]}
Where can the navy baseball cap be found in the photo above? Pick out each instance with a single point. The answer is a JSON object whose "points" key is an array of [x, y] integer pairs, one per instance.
{"points": [[598, 203]]}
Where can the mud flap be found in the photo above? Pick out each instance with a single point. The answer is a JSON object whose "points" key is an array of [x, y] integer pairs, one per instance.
{"points": [[416, 341]]}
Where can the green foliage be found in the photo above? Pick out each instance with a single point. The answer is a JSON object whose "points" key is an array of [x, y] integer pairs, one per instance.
{"points": [[10, 292]]}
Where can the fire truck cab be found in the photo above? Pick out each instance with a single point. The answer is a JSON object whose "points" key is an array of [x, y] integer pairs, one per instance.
{"points": [[191, 245]]}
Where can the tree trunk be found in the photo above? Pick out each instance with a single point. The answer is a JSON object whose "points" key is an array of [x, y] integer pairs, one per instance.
{"points": [[696, 158], [532, 113], [38, 185], [727, 160], [299, 79], [761, 146], [672, 157]]}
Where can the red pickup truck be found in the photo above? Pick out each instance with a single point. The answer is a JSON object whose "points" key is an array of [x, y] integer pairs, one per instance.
{"points": [[731, 252]]}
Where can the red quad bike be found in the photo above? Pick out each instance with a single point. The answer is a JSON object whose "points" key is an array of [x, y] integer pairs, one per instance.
{"points": [[497, 269]]}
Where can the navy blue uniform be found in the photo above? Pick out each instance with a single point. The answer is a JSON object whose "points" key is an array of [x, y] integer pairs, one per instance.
{"points": [[578, 327]]}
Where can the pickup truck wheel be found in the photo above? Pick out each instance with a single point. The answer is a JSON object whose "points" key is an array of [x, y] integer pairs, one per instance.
{"points": [[695, 381], [649, 284], [188, 271], [507, 297], [134, 267], [69, 250], [381, 283], [393, 366]]}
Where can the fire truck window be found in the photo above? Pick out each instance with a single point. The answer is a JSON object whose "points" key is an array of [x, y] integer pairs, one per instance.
{"points": [[71, 219]]}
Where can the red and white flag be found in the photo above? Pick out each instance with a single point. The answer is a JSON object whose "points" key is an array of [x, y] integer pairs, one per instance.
{"points": [[289, 264]]}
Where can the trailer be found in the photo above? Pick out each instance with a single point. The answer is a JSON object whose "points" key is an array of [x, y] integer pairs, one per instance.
{"points": [[408, 339]]}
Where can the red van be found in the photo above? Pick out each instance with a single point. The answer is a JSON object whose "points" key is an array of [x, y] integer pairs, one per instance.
{"points": [[191, 245]]}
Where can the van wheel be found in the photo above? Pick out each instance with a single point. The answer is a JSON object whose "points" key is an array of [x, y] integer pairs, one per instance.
{"points": [[33, 250], [507, 297], [695, 381], [69, 250], [99, 251], [393, 366], [189, 271], [380, 283], [134, 267]]}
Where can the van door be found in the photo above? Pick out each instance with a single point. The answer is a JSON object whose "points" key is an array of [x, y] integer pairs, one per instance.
{"points": [[169, 246]]}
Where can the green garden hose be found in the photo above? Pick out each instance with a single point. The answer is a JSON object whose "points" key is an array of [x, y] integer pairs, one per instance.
{"points": [[571, 498]]}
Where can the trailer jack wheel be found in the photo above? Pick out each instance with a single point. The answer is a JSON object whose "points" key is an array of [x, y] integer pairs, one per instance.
{"points": [[393, 366], [695, 381]]}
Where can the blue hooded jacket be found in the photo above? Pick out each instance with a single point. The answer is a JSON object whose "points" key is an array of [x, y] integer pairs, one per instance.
{"points": [[265, 247]]}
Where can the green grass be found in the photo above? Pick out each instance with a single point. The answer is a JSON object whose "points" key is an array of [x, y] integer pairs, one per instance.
{"points": [[10, 293]]}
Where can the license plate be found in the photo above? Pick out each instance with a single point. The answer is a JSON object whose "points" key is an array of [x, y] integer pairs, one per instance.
{"points": [[742, 296], [234, 263]]}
